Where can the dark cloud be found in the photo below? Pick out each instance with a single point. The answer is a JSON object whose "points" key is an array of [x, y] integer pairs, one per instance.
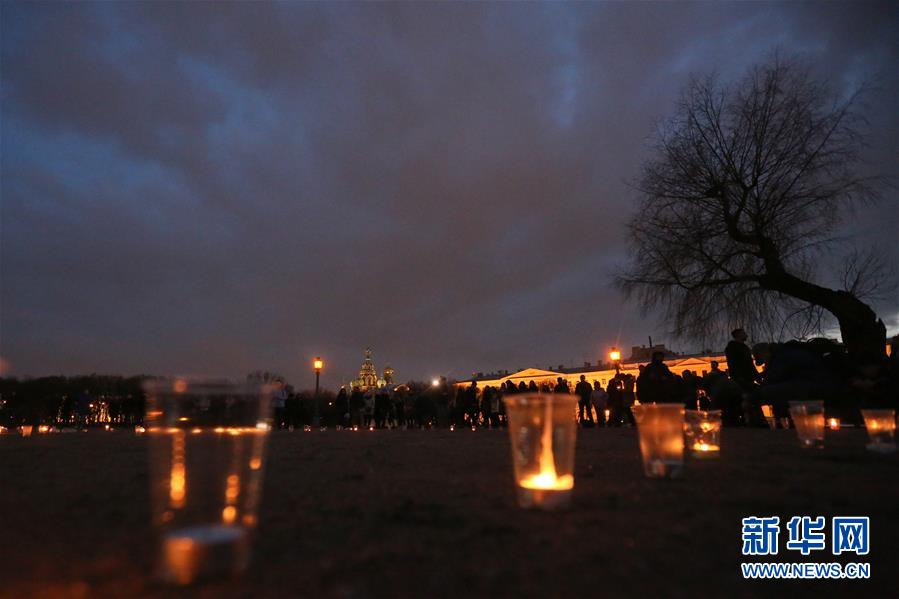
{"points": [[199, 187]]}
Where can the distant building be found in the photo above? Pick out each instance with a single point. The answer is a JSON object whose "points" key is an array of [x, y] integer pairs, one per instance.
{"points": [[368, 376], [699, 364], [645, 353]]}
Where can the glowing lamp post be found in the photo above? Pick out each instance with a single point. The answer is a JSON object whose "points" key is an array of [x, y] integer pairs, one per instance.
{"points": [[615, 356], [317, 365]]}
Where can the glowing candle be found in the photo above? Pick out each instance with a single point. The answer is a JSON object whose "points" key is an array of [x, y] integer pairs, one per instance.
{"points": [[660, 428], [881, 425], [206, 475], [201, 552], [808, 417], [543, 448], [703, 431], [833, 424]]}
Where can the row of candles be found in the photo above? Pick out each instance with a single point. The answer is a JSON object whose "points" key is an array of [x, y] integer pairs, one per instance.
{"points": [[214, 540], [543, 443]]}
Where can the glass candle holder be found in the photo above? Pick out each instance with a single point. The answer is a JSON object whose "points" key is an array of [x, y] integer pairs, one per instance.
{"points": [[768, 413], [661, 431], [833, 424], [703, 432], [207, 450], [881, 425], [542, 431], [808, 417]]}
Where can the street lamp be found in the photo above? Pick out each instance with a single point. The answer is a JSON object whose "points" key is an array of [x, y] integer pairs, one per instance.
{"points": [[615, 356], [317, 365], [435, 382]]}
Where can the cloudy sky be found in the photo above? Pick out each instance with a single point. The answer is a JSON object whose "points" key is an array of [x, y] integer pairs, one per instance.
{"points": [[214, 188]]}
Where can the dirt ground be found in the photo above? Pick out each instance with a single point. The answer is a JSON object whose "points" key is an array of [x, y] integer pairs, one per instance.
{"points": [[433, 513]]}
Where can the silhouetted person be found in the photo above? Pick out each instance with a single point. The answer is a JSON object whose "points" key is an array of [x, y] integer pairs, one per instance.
{"points": [[629, 396], [292, 411], [600, 400], [522, 387], [471, 403], [615, 392], [690, 390], [368, 401], [532, 387], [657, 384], [495, 403], [484, 411], [792, 373], [584, 411], [342, 405], [382, 407], [82, 409], [739, 361], [561, 386], [357, 407]]}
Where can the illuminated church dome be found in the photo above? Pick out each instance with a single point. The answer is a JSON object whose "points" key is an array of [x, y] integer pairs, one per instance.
{"points": [[368, 375]]}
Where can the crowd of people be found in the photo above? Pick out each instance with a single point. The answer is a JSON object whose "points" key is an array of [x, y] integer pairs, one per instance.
{"points": [[771, 374]]}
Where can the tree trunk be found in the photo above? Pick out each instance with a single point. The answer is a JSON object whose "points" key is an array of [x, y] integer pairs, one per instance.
{"points": [[863, 333]]}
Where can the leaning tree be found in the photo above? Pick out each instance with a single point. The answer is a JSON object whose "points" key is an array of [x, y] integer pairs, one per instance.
{"points": [[742, 199]]}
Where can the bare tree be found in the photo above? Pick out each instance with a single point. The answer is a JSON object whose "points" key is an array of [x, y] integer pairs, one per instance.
{"points": [[746, 188]]}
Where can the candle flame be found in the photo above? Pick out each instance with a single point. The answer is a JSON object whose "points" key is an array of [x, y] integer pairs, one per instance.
{"points": [[547, 478], [702, 446]]}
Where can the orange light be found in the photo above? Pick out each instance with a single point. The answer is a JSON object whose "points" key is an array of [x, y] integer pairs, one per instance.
{"points": [[318, 364], [228, 514], [702, 446], [614, 355], [833, 424], [233, 488], [180, 386]]}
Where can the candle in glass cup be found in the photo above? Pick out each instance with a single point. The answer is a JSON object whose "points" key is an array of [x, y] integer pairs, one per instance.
{"points": [[808, 417], [881, 425], [703, 432], [660, 428], [202, 552], [768, 413], [542, 433], [207, 442], [833, 424]]}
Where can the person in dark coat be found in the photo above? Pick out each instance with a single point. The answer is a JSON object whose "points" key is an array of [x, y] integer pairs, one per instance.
{"points": [[584, 410], [561, 386], [657, 384], [357, 405], [342, 406], [740, 366], [792, 373]]}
